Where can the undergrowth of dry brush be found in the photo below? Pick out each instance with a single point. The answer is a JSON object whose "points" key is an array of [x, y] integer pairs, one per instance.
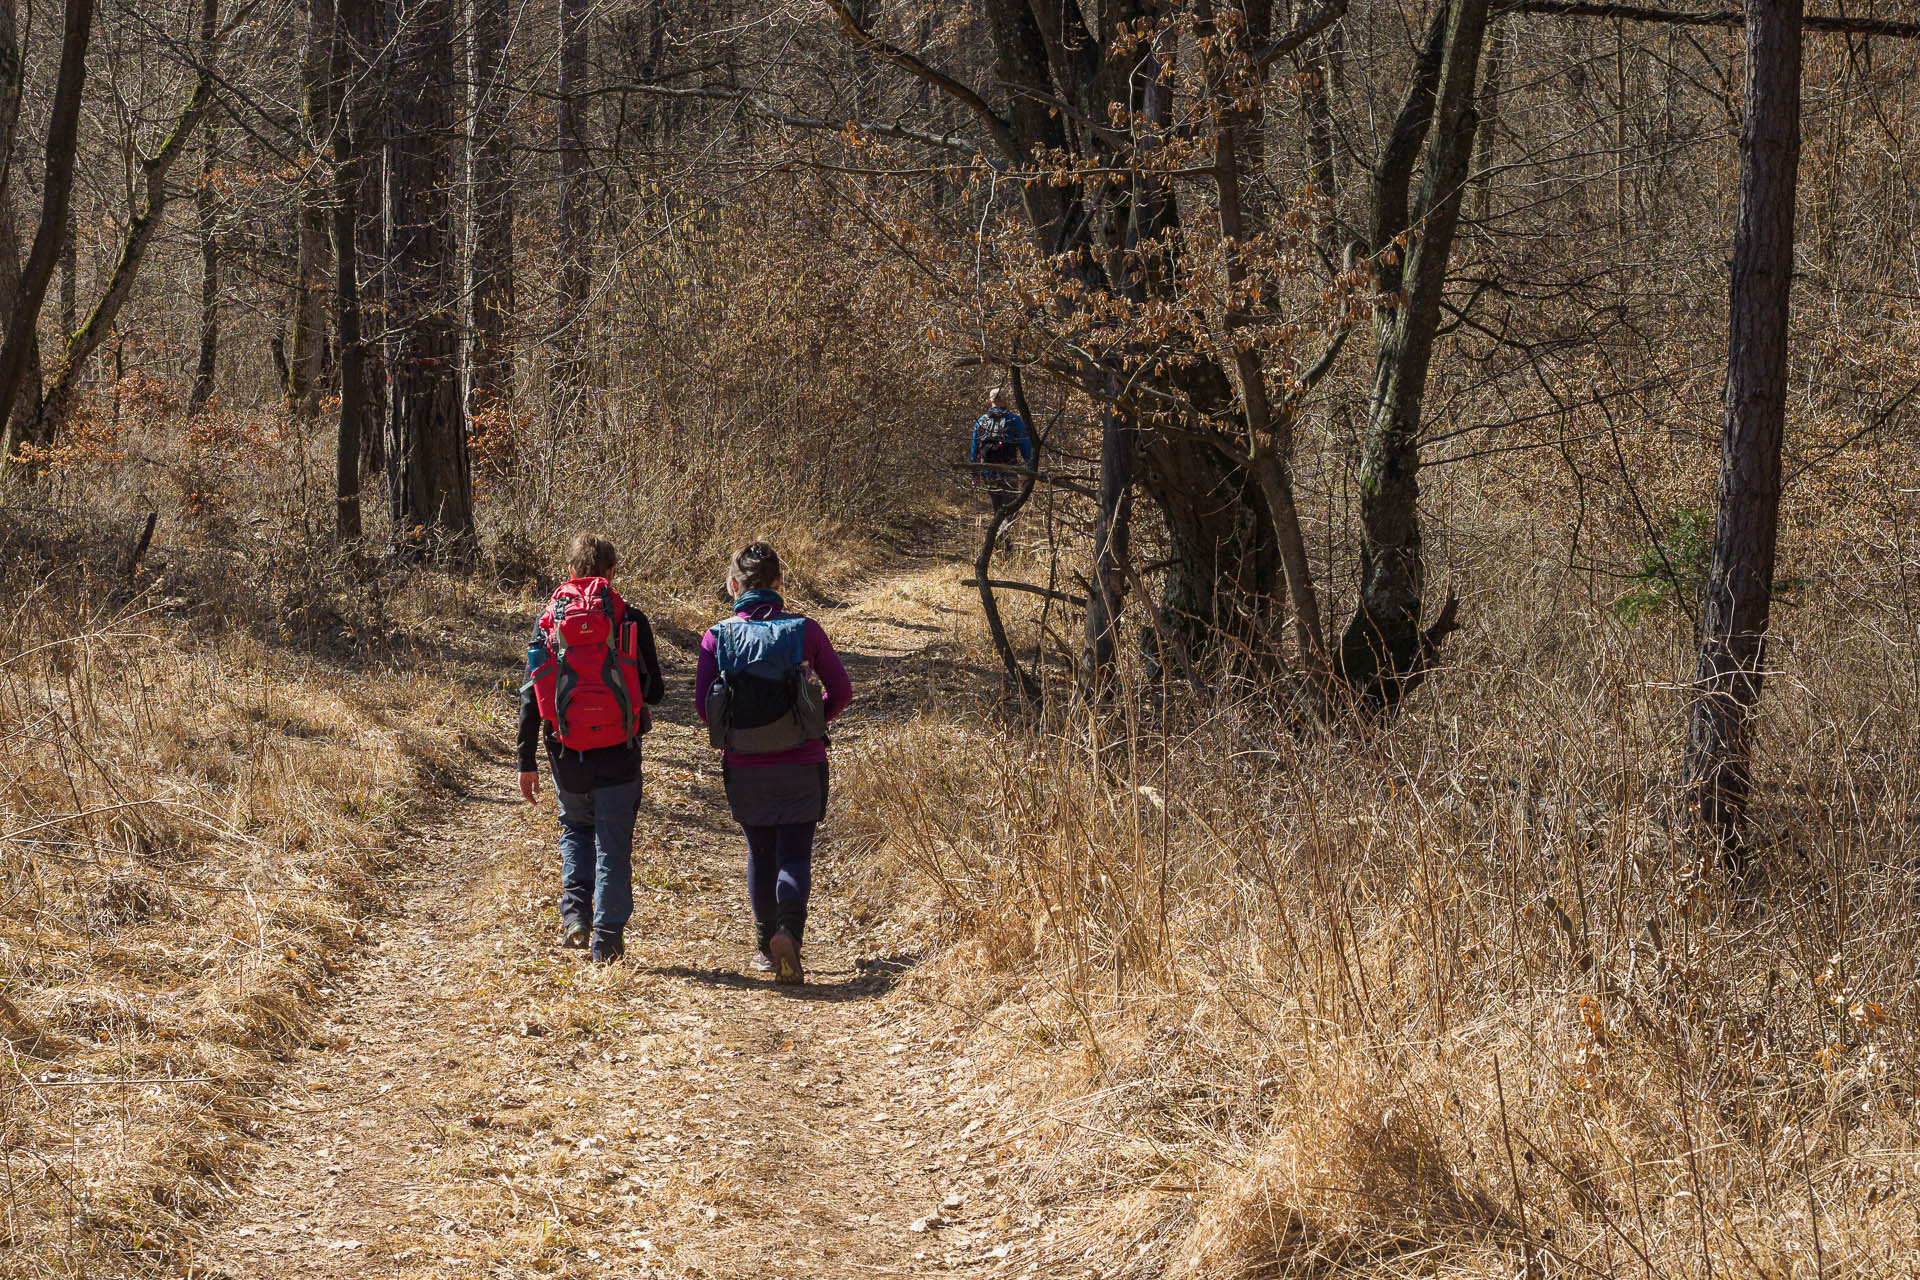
{"points": [[196, 809], [1453, 995]]}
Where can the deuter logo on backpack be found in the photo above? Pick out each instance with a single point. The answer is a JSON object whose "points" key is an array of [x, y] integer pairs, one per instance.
{"points": [[584, 665], [765, 699]]}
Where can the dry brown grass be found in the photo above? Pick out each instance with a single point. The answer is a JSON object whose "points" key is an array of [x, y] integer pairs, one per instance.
{"points": [[194, 815], [1456, 995]]}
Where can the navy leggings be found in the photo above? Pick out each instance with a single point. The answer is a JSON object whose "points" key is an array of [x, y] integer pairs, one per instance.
{"points": [[779, 877]]}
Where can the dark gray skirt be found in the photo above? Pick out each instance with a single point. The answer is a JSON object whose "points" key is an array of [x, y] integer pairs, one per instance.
{"points": [[775, 795]]}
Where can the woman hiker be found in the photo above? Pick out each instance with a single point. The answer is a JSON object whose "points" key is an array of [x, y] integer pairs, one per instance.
{"points": [[756, 689], [591, 673]]}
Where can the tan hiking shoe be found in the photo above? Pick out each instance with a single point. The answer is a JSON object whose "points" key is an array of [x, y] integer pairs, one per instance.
{"points": [[786, 959]]}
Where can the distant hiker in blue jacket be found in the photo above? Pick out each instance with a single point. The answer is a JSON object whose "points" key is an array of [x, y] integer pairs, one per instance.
{"points": [[768, 684], [1000, 436]]}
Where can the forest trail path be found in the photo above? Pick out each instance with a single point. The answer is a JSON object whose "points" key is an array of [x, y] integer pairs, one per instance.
{"points": [[481, 1103]]}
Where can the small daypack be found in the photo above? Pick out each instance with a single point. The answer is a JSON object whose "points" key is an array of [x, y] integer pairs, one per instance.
{"points": [[764, 699], [584, 666], [996, 436]]}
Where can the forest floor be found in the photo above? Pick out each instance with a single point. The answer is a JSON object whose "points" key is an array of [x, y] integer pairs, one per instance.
{"points": [[480, 1102]]}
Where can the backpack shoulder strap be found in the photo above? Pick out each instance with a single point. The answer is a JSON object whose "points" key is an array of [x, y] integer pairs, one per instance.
{"points": [[725, 632]]}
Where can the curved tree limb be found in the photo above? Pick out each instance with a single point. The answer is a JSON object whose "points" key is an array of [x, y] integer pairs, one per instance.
{"points": [[1022, 680], [911, 63], [1314, 23]]}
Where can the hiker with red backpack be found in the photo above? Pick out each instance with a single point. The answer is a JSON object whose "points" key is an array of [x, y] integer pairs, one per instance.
{"points": [[768, 684], [591, 674]]}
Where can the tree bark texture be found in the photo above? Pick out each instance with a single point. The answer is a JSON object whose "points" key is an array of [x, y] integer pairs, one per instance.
{"points": [[491, 161], [1221, 591], [575, 206], [306, 349], [206, 209], [1112, 530], [56, 190], [345, 228], [365, 26], [12, 77], [431, 487], [1383, 644], [1739, 591], [70, 274]]}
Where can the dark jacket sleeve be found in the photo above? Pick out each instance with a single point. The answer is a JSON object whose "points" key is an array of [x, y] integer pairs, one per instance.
{"points": [[529, 731], [653, 685]]}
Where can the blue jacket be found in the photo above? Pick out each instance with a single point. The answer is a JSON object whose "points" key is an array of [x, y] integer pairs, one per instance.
{"points": [[1009, 426]]}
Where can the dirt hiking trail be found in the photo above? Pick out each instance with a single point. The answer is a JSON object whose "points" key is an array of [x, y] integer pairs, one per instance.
{"points": [[482, 1103]]}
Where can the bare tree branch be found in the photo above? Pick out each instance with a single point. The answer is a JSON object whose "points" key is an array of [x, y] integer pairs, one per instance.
{"points": [[765, 110], [1316, 22], [1899, 30], [1002, 135]]}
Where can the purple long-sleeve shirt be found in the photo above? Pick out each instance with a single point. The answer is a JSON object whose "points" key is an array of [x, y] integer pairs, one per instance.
{"points": [[818, 653]]}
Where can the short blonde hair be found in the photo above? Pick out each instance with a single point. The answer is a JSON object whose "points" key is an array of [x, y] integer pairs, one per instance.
{"points": [[998, 398]]}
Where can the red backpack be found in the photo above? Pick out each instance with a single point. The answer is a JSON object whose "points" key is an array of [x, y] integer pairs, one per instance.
{"points": [[585, 667]]}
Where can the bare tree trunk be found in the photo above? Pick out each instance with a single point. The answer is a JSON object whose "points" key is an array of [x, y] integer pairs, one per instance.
{"points": [[206, 208], [574, 211], [1383, 646], [346, 277], [56, 189], [133, 251], [1500, 51], [70, 275], [364, 22], [1112, 528], [1269, 430], [306, 350], [430, 483], [12, 74], [1739, 594], [491, 160]]}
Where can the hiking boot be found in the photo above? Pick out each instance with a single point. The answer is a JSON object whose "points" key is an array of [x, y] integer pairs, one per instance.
{"points": [[785, 953], [574, 934], [761, 962], [608, 947]]}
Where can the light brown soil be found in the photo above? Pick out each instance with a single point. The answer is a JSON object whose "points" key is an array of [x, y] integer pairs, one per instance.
{"points": [[484, 1103]]}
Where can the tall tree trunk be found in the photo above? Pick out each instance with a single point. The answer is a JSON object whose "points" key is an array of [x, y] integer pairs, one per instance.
{"points": [[575, 214], [1501, 49], [364, 22], [346, 277], [70, 275], [206, 209], [430, 482], [1225, 578], [12, 76], [306, 351], [1112, 528], [141, 230], [56, 190], [491, 161], [1383, 648], [1269, 429], [1739, 595]]}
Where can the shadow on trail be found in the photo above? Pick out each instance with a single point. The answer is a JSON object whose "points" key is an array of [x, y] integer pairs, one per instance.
{"points": [[871, 980]]}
